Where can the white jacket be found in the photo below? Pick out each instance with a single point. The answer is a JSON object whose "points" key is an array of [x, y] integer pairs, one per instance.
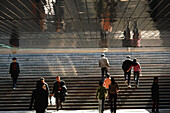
{"points": [[103, 62]]}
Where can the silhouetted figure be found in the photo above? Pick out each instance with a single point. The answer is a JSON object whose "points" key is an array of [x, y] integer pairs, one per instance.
{"points": [[155, 95], [113, 89], [127, 33], [40, 97], [125, 66], [127, 37], [101, 95], [14, 71], [136, 36], [104, 64], [136, 71]]}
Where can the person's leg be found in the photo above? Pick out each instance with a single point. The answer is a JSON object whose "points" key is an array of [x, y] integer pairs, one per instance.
{"points": [[40, 110], [16, 78], [129, 79], [100, 105], [103, 105], [134, 75], [153, 106], [103, 71], [61, 105], [106, 71], [57, 103], [13, 82], [115, 99], [125, 75], [157, 106], [111, 103], [137, 78], [37, 111]]}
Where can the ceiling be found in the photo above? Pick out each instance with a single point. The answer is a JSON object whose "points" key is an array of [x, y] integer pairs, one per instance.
{"points": [[84, 23]]}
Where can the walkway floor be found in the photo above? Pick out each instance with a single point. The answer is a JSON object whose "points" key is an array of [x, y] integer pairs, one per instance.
{"points": [[91, 111], [83, 50]]}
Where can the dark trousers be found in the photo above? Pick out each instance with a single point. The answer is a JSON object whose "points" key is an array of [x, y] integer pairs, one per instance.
{"points": [[57, 102], [127, 78], [14, 78], [155, 104], [104, 72], [111, 102], [40, 110], [136, 77], [101, 105]]}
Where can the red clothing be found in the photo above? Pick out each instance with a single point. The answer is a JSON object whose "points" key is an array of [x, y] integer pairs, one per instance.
{"points": [[107, 82], [136, 67]]}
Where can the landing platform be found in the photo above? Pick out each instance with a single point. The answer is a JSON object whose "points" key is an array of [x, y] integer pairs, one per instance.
{"points": [[83, 50], [91, 111]]}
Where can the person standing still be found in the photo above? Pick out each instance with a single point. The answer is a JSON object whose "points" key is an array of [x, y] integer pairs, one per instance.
{"points": [[125, 66], [14, 71], [112, 92], [104, 64], [101, 95], [155, 95]]}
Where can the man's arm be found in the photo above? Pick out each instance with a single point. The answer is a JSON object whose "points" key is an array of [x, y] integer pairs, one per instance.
{"points": [[107, 62], [10, 70], [32, 99], [18, 68]]}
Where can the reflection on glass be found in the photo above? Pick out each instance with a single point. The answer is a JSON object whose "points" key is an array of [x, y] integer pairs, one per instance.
{"points": [[58, 6], [106, 13], [135, 40], [14, 40], [39, 12]]}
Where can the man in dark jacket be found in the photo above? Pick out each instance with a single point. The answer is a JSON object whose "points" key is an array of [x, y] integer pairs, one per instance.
{"points": [[125, 66], [14, 71], [56, 91]]}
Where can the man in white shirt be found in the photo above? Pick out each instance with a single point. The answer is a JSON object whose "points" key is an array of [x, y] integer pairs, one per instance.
{"points": [[104, 64]]}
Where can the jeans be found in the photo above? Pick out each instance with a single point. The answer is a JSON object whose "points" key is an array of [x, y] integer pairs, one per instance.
{"points": [[101, 105], [40, 111], [14, 78], [111, 102], [57, 102], [155, 104], [125, 75], [104, 71], [136, 77]]}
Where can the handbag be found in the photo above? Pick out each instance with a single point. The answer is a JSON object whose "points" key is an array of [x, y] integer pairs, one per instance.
{"points": [[53, 100]]}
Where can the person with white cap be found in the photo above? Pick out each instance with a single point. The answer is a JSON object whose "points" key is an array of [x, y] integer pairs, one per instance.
{"points": [[104, 64], [125, 66]]}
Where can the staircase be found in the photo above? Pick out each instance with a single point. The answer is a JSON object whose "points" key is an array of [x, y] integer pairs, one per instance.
{"points": [[81, 73]]}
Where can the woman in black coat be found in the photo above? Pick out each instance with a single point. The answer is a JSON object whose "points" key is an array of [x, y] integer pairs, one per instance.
{"points": [[40, 98]]}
